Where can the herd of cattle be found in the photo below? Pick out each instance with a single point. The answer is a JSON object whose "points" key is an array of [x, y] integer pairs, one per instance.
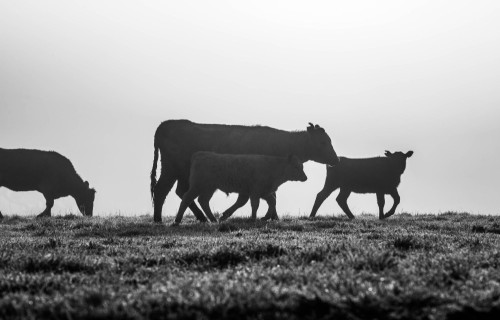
{"points": [[252, 161]]}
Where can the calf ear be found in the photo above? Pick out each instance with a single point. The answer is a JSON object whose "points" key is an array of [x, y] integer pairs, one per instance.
{"points": [[409, 154], [388, 153]]}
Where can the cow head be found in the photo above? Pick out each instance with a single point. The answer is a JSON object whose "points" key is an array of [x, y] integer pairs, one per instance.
{"points": [[320, 146], [295, 169], [399, 158], [85, 200]]}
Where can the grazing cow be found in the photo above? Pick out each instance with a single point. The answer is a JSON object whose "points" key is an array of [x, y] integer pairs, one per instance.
{"points": [[252, 176], [178, 140], [380, 175], [47, 172]]}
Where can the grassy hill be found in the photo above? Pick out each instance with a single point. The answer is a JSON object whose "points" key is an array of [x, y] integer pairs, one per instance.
{"points": [[443, 266]]}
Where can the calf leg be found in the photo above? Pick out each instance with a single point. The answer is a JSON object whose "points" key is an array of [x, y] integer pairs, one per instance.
{"points": [[381, 203], [240, 202], [342, 201], [49, 204], [204, 201], [320, 197], [186, 201], [254, 201], [395, 195], [271, 212], [161, 190], [182, 188]]}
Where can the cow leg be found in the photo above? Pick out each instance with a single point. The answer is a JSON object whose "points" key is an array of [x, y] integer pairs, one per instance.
{"points": [[162, 188], [395, 195], [1, 216], [240, 202], [254, 202], [49, 204], [271, 212], [182, 188], [381, 203], [186, 201], [320, 198], [342, 201], [204, 200]]}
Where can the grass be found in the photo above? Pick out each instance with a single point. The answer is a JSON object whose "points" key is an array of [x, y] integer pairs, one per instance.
{"points": [[443, 266]]}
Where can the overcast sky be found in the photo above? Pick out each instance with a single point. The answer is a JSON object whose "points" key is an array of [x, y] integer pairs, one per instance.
{"points": [[93, 79]]}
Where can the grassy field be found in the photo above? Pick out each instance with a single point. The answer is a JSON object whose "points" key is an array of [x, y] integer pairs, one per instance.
{"points": [[443, 266]]}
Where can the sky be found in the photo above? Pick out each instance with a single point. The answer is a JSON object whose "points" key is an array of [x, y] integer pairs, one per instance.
{"points": [[93, 79]]}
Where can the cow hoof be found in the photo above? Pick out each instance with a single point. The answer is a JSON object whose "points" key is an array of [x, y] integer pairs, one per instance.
{"points": [[175, 224], [43, 215]]}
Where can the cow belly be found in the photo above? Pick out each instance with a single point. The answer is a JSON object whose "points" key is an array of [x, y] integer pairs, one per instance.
{"points": [[19, 188], [368, 187]]}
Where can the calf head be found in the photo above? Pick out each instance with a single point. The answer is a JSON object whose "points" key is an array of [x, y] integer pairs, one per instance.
{"points": [[85, 200], [295, 169], [399, 159], [320, 147]]}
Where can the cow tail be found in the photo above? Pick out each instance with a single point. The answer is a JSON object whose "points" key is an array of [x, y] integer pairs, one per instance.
{"points": [[153, 173]]}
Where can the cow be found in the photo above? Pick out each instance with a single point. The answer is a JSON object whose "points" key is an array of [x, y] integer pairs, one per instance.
{"points": [[47, 172], [178, 140], [380, 175], [251, 176]]}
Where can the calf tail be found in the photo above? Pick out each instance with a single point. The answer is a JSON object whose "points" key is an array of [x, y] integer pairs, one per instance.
{"points": [[153, 173]]}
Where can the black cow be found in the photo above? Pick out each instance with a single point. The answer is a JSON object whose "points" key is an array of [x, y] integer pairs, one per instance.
{"points": [[178, 140], [380, 175], [251, 176], [47, 172]]}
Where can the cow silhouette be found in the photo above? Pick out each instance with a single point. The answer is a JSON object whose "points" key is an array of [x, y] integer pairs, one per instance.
{"points": [[47, 172], [380, 175], [178, 140], [251, 176]]}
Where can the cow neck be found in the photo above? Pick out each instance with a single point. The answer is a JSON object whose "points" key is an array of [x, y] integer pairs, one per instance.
{"points": [[77, 187], [278, 174], [298, 145]]}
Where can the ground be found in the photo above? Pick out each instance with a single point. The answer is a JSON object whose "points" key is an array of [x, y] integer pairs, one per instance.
{"points": [[444, 266]]}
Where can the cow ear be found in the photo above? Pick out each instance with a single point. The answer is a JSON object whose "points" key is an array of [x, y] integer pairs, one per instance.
{"points": [[388, 153], [86, 184], [310, 129], [409, 154]]}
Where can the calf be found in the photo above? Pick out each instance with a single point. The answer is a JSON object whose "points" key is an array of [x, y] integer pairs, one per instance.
{"points": [[47, 172], [380, 175], [252, 176]]}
